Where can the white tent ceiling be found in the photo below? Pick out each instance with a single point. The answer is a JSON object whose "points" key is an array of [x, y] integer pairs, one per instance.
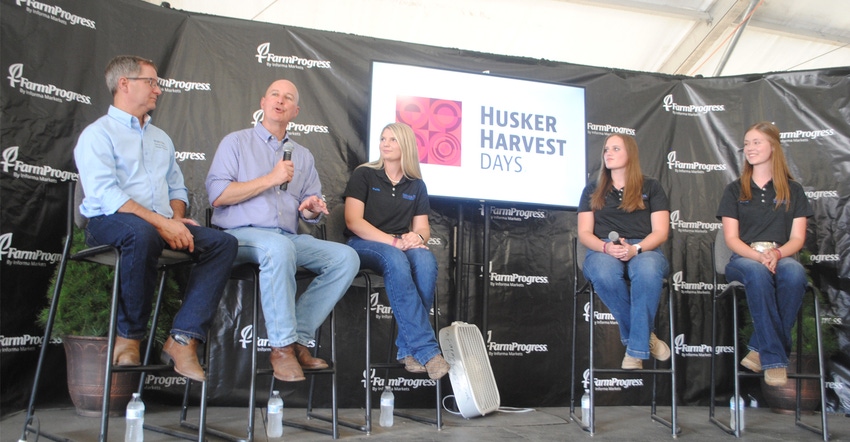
{"points": [[688, 37]]}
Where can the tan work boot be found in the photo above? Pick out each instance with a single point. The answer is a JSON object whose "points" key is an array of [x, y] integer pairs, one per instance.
{"points": [[630, 363], [776, 377], [658, 348], [437, 367], [412, 365], [752, 361]]}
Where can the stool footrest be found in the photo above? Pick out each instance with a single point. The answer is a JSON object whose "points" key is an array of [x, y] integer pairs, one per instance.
{"points": [[391, 365], [140, 368], [637, 371], [307, 371], [176, 433], [424, 420], [322, 417], [305, 427]]}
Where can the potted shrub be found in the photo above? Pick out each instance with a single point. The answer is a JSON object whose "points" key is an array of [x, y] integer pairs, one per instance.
{"points": [[82, 322]]}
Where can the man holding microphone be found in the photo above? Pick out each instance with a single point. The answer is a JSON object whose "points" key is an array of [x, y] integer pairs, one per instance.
{"points": [[260, 183]]}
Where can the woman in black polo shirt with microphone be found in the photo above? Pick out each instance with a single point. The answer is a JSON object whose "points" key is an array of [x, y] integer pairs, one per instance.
{"points": [[634, 206]]}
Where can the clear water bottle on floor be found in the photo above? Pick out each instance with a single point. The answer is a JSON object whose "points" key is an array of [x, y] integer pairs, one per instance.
{"points": [[585, 408], [275, 413], [135, 420], [733, 404], [387, 405], [754, 403]]}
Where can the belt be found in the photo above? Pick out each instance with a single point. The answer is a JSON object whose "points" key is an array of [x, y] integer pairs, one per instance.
{"points": [[763, 246]]}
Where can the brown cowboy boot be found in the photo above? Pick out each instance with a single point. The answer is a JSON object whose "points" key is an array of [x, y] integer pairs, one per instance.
{"points": [[285, 364], [306, 359], [184, 356], [126, 352]]}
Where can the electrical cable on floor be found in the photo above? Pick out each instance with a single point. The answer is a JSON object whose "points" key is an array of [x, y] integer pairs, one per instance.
{"points": [[457, 412], [500, 409], [514, 410]]}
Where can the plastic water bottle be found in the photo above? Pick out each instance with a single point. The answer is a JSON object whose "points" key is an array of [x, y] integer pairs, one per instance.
{"points": [[275, 412], [585, 408], [387, 405], [754, 403], [732, 407], [135, 420]]}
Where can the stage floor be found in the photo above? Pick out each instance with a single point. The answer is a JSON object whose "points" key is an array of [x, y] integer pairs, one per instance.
{"points": [[626, 423]]}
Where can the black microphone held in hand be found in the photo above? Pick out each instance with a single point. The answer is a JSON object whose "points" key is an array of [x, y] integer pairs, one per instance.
{"points": [[614, 237], [287, 156]]}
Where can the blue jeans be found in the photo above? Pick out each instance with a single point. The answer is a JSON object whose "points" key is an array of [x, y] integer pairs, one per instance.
{"points": [[279, 254], [140, 246], [410, 278], [773, 300], [633, 304]]}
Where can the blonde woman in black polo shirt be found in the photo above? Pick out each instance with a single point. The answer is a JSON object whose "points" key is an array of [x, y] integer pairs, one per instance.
{"points": [[386, 218]]}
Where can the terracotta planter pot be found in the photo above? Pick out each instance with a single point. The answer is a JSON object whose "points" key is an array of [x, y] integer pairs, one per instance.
{"points": [[86, 367], [783, 399]]}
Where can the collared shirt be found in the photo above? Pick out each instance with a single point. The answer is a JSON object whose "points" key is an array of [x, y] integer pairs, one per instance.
{"points": [[248, 154], [119, 159], [759, 219], [387, 206], [631, 225]]}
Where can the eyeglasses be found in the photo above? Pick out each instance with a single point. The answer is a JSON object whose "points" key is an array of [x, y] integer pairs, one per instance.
{"points": [[151, 81]]}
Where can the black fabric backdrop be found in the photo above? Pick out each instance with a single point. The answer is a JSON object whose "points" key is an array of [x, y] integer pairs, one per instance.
{"points": [[214, 71]]}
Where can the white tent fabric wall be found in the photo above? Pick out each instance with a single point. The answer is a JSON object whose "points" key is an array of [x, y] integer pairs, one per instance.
{"points": [[684, 37]]}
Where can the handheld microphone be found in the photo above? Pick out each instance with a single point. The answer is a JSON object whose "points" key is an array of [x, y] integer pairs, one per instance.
{"points": [[287, 156], [614, 237]]}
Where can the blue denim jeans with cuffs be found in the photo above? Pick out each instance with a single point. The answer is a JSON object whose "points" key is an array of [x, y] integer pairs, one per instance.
{"points": [[631, 290]]}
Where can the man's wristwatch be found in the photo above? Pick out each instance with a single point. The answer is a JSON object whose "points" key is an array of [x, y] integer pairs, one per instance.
{"points": [[638, 248]]}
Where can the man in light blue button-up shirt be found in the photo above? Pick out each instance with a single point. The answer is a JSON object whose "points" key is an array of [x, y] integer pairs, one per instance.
{"points": [[261, 183], [135, 200]]}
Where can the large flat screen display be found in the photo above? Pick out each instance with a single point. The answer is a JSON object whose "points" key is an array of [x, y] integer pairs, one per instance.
{"points": [[486, 137]]}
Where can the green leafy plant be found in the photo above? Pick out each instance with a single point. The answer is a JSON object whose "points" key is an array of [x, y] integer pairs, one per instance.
{"points": [[84, 302]]}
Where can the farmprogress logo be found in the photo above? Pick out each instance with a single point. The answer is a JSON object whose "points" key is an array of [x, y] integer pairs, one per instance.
{"points": [[293, 128], [31, 258], [55, 13], [693, 288], [692, 110], [173, 86], [265, 56], [512, 213], [40, 90], [513, 348], [21, 170], [400, 383], [691, 167], [804, 135], [609, 129], [692, 226], [685, 350], [516, 280], [609, 384]]}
